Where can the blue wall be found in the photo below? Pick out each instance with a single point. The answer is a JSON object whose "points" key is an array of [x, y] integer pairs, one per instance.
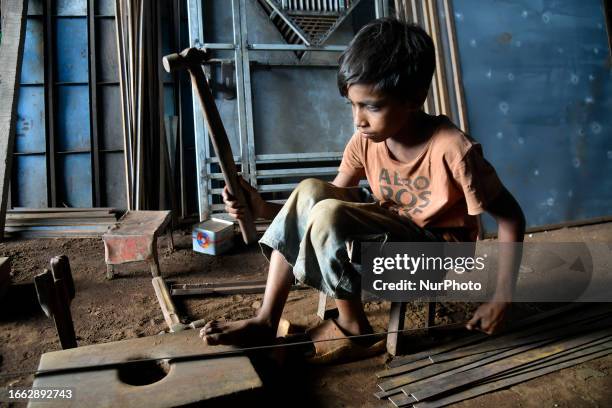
{"points": [[538, 86]]}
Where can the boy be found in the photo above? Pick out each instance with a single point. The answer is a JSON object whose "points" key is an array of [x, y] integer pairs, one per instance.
{"points": [[428, 179]]}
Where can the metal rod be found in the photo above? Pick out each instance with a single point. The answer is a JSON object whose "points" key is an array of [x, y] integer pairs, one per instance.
{"points": [[196, 39], [202, 356], [296, 47], [50, 103], [457, 82], [93, 106]]}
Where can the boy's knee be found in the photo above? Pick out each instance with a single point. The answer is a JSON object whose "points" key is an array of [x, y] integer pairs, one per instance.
{"points": [[327, 215], [309, 192], [312, 187]]}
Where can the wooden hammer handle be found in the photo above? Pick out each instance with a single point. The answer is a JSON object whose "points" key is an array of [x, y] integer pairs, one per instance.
{"points": [[223, 150]]}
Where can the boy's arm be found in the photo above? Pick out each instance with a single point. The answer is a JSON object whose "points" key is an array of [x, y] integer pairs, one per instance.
{"points": [[267, 210], [344, 179], [511, 229]]}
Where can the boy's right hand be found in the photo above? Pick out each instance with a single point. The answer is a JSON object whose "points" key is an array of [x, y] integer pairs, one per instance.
{"points": [[255, 202]]}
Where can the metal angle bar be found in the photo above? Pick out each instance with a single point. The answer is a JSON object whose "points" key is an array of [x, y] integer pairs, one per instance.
{"points": [[503, 382], [295, 47], [481, 336], [298, 172], [240, 84], [125, 104], [307, 171], [249, 158], [440, 73], [218, 46], [93, 106], [451, 364], [289, 21], [550, 332], [50, 128], [292, 157], [593, 346], [196, 39], [457, 82], [435, 387]]}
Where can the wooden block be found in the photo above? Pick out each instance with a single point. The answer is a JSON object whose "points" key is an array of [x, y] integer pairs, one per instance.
{"points": [[5, 275], [187, 382], [14, 14], [396, 323]]}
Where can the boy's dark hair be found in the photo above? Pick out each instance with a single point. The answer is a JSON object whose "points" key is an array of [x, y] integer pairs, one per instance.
{"points": [[398, 59]]}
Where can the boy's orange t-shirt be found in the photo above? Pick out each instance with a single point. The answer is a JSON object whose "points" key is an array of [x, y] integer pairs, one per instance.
{"points": [[442, 189]]}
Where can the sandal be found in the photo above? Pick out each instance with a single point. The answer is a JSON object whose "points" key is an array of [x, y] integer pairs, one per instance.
{"points": [[341, 348]]}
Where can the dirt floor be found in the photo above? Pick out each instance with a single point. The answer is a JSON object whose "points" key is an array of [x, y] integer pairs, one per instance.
{"points": [[126, 307]]}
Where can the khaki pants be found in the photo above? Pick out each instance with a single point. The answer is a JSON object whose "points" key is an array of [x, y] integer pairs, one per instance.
{"points": [[312, 230]]}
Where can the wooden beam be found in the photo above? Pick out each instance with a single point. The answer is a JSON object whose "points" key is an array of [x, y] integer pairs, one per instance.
{"points": [[14, 14]]}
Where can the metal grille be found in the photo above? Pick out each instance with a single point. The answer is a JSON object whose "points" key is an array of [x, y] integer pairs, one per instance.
{"points": [[315, 5], [307, 22]]}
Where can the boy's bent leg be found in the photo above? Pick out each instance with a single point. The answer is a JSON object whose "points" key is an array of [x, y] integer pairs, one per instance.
{"points": [[260, 329], [323, 260], [286, 231]]}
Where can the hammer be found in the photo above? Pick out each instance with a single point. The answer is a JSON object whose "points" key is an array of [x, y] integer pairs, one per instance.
{"points": [[192, 59]]}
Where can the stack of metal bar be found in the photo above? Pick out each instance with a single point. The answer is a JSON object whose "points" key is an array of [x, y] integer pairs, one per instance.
{"points": [[139, 58], [59, 222], [478, 364], [446, 95]]}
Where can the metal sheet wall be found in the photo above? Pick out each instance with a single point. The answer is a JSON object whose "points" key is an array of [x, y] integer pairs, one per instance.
{"points": [[538, 85], [69, 146]]}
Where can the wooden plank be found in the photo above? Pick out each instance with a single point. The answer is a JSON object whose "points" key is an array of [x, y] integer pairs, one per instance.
{"points": [[167, 305], [579, 358], [434, 386], [14, 14], [187, 382]]}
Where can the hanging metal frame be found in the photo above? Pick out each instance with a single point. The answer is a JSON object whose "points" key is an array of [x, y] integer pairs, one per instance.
{"points": [[246, 158]]}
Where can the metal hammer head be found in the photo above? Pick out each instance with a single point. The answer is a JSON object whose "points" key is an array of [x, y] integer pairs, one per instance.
{"points": [[188, 58]]}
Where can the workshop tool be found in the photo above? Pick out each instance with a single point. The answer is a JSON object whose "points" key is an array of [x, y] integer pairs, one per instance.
{"points": [[192, 59], [55, 290], [134, 239], [143, 372]]}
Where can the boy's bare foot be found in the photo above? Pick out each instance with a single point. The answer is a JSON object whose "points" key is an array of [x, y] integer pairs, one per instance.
{"points": [[356, 328], [248, 332]]}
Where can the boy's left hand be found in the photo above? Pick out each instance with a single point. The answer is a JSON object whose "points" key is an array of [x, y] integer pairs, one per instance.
{"points": [[488, 317]]}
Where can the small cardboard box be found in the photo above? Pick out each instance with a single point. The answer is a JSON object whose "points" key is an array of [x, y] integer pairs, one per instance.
{"points": [[213, 237]]}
